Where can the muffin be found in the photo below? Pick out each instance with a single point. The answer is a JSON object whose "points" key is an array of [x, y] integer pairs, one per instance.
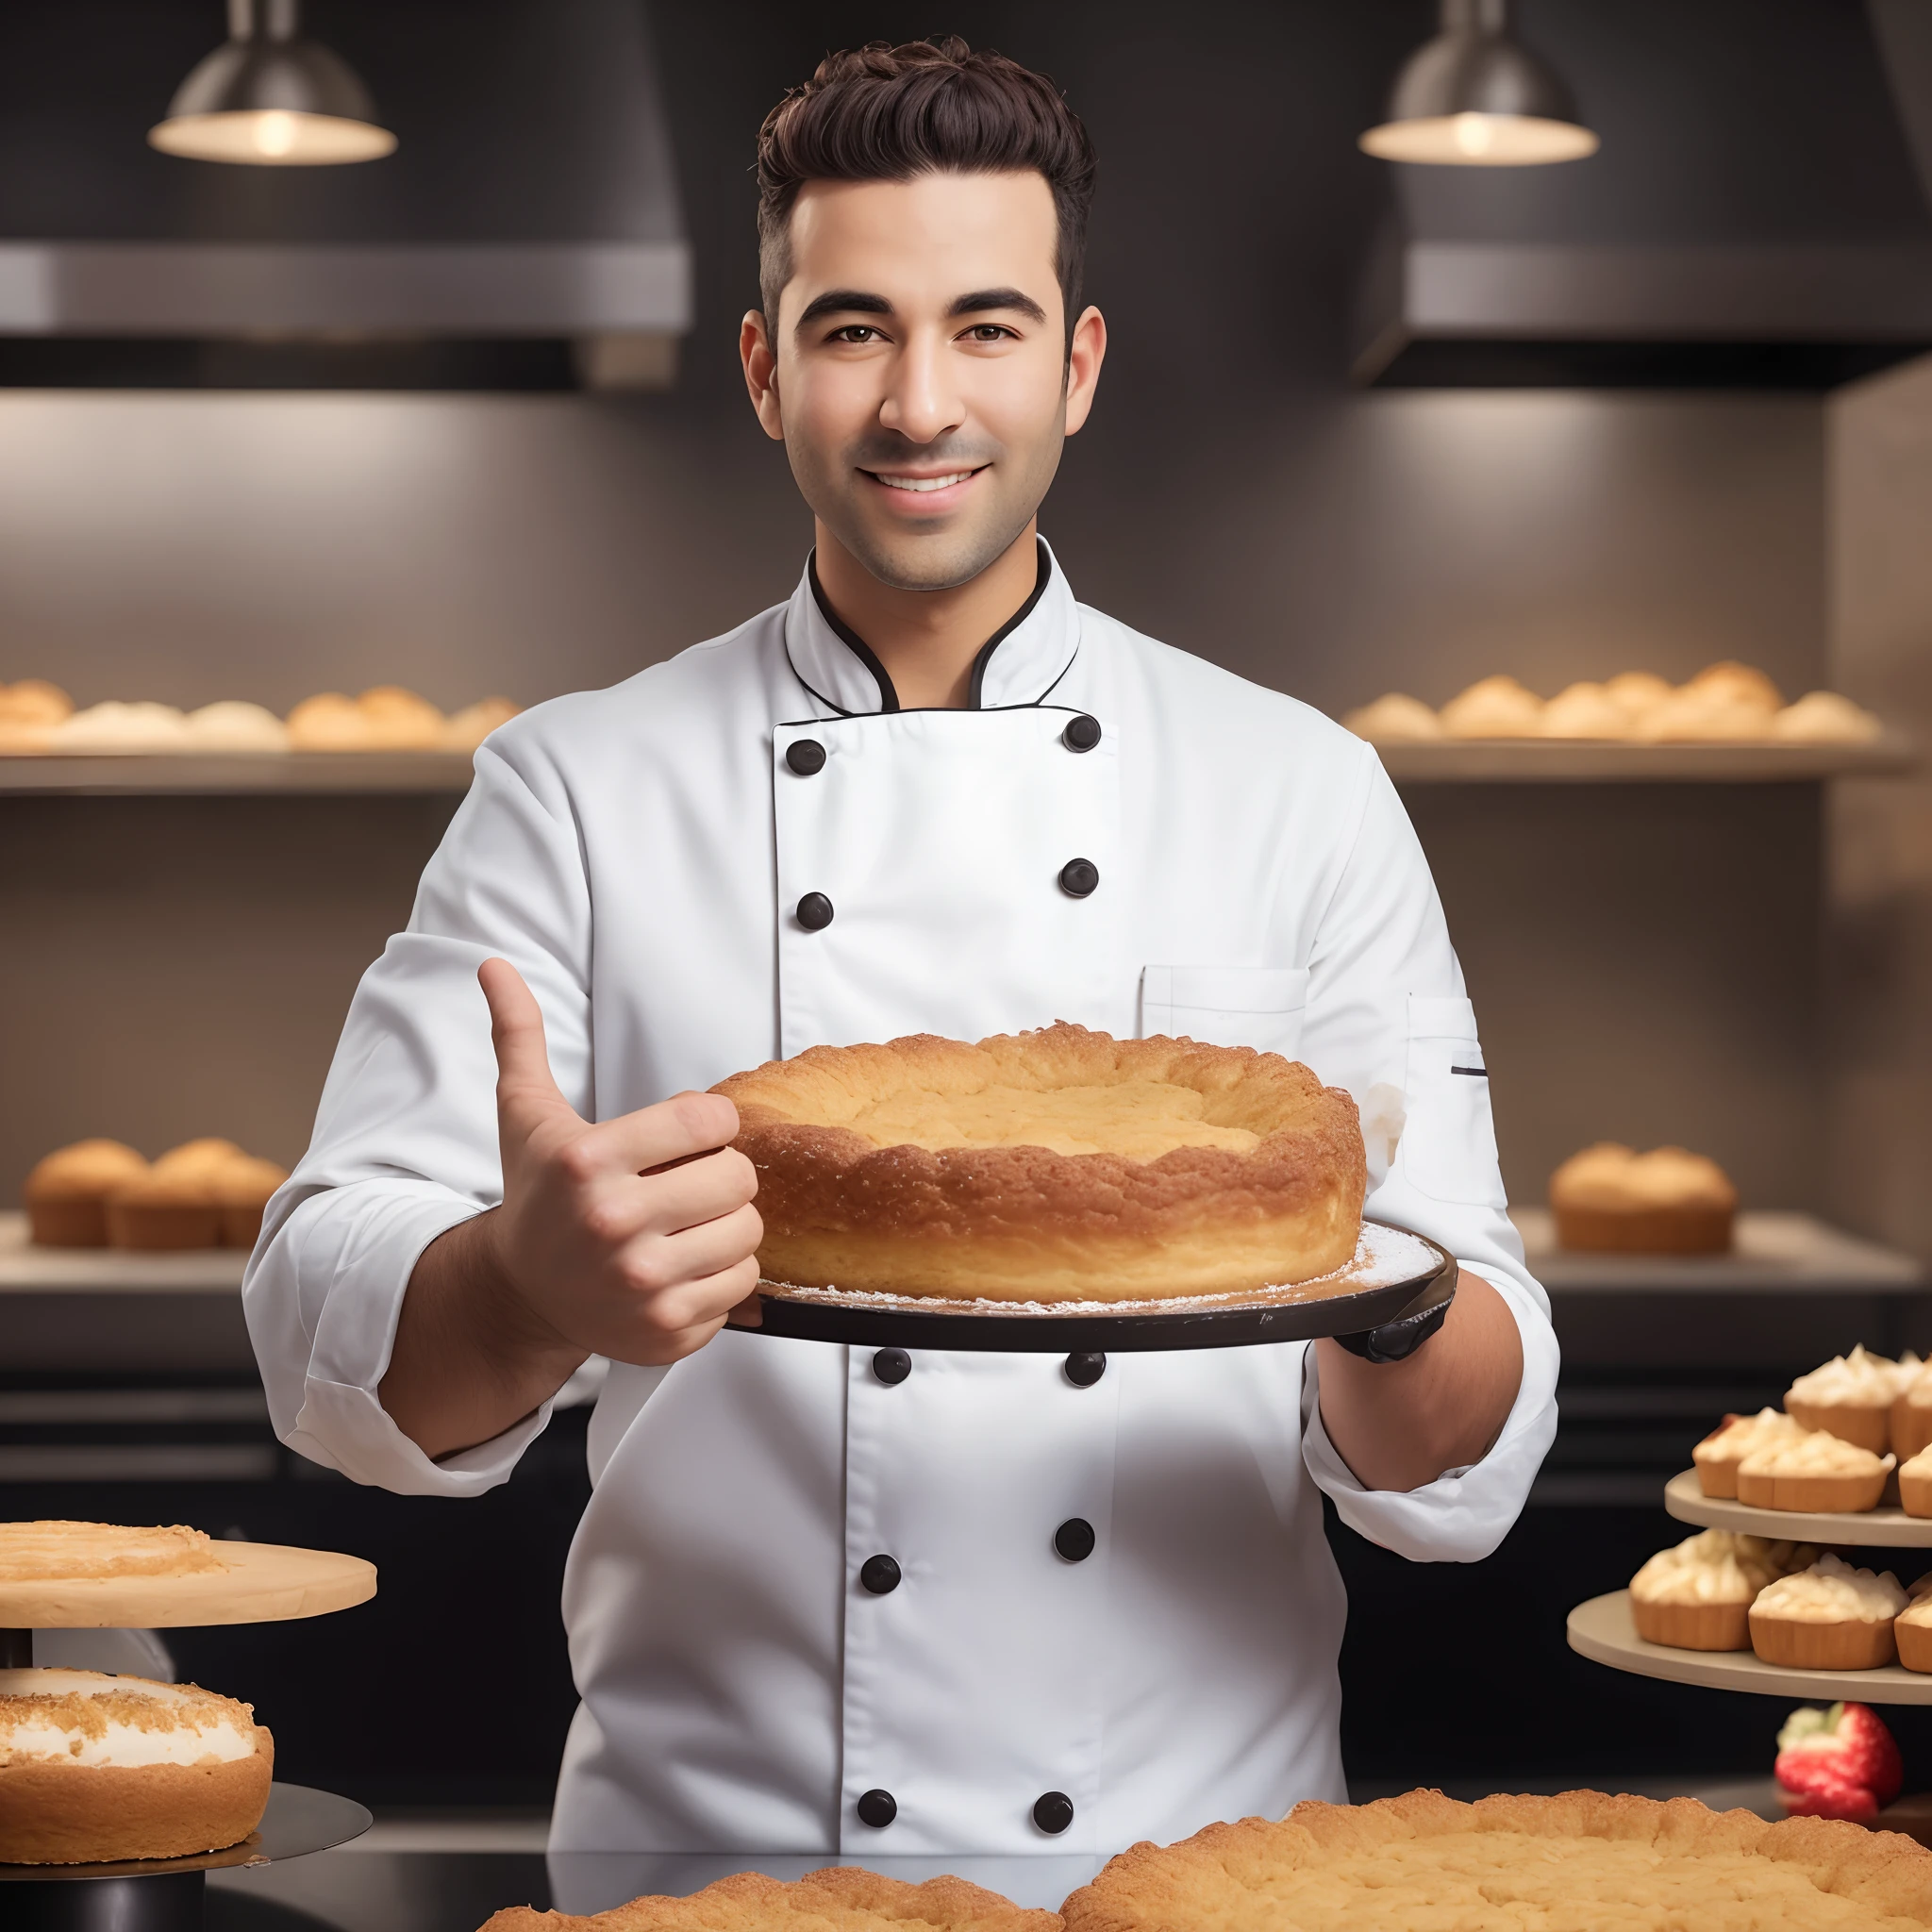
{"points": [[1911, 1629], [173, 1208], [1718, 1456], [1823, 717], [67, 1191], [1830, 1617], [1698, 1595], [1816, 1471], [466, 729], [1852, 1396], [1494, 708], [1394, 718], [1915, 1484], [241, 1188], [1585, 710], [400, 721], [1610, 1199], [198, 1156], [328, 722]]}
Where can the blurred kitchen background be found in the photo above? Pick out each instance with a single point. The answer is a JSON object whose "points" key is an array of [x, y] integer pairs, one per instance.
{"points": [[470, 419]]}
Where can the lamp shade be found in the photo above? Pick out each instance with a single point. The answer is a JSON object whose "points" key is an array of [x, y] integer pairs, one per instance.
{"points": [[1476, 97], [268, 98]]}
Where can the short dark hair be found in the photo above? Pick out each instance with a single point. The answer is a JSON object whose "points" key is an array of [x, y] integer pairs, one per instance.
{"points": [[884, 113]]}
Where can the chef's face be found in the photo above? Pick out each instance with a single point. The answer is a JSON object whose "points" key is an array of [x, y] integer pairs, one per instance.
{"points": [[919, 369]]}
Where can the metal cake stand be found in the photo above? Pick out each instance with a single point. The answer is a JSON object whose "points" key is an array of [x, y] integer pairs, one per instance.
{"points": [[1395, 1276]]}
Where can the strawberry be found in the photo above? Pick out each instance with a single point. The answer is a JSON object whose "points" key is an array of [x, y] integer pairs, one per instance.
{"points": [[1838, 1763]]}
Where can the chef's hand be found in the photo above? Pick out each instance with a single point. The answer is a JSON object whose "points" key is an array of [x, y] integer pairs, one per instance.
{"points": [[632, 1238]]}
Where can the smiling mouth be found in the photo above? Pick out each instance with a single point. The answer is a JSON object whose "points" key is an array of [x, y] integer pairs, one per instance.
{"points": [[922, 484]]}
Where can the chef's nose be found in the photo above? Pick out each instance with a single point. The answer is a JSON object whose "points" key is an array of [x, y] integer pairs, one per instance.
{"points": [[922, 403]]}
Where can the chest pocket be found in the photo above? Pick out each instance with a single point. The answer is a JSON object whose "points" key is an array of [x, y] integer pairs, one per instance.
{"points": [[1449, 1142], [1261, 1007]]}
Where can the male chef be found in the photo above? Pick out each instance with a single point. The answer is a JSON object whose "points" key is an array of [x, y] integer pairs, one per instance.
{"points": [[930, 792]]}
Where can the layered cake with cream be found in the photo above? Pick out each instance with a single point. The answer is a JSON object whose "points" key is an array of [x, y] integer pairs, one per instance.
{"points": [[1830, 1617], [95, 1768]]}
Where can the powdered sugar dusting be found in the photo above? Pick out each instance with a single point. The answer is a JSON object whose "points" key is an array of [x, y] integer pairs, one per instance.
{"points": [[1383, 1257]]}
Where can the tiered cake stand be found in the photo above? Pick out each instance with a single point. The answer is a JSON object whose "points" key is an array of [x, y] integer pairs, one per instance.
{"points": [[263, 1583], [1604, 1630]]}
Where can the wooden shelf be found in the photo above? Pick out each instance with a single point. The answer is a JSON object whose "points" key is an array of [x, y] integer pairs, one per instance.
{"points": [[1604, 1631], [295, 772], [1775, 1253], [1887, 1527], [1561, 761], [25, 1269]]}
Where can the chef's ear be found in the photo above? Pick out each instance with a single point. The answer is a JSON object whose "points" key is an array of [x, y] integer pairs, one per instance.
{"points": [[760, 372], [1085, 352]]}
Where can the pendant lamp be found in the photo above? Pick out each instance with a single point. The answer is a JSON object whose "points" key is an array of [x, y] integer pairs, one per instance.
{"points": [[1474, 97], [271, 99]]}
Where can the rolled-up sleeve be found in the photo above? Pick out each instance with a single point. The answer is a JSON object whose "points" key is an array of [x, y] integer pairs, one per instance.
{"points": [[404, 1145], [1389, 1019]]}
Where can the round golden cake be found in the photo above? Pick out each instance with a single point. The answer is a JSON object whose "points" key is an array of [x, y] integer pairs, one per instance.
{"points": [[1581, 1862], [1053, 1166], [94, 1768]]}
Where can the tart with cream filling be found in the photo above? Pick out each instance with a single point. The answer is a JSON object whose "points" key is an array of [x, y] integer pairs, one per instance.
{"points": [[1915, 1484], [1581, 1862], [1830, 1617], [1852, 1396], [1817, 1471], [1911, 1629], [95, 1768], [1911, 1415], [1059, 1165], [1697, 1594], [1718, 1456]]}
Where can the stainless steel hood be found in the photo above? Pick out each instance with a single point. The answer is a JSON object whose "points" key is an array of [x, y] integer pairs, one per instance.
{"points": [[1757, 215], [526, 233]]}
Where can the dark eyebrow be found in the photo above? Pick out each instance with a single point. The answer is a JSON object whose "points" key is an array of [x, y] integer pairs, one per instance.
{"points": [[844, 302], [983, 299]]}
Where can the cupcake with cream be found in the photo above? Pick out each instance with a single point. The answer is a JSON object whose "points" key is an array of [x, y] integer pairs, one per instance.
{"points": [[1697, 1595], [95, 1768], [1911, 1415], [1911, 1629], [1813, 1472], [1830, 1617], [1852, 1396], [1915, 1484], [1718, 1456]]}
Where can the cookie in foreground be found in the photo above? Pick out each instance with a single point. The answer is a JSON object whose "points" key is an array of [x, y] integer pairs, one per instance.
{"points": [[1516, 1864], [840, 1898], [1052, 1166]]}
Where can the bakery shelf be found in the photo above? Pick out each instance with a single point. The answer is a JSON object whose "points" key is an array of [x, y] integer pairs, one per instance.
{"points": [[1559, 761], [25, 1269], [1604, 1631], [1887, 1527], [296, 772], [1775, 1253]]}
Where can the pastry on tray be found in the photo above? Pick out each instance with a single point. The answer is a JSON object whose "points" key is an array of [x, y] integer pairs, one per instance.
{"points": [[1696, 1594], [1738, 1436], [235, 725], [1911, 1415], [840, 1898], [1610, 1199], [1912, 1628], [1584, 711], [1494, 708], [1852, 1396], [95, 1768], [1915, 1484], [66, 1192], [1053, 1166], [1824, 717], [166, 1208], [1830, 1617], [1394, 718], [51, 1551], [1581, 1862], [1817, 1471]]}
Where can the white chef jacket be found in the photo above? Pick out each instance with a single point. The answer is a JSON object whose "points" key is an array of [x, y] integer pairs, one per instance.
{"points": [[639, 855]]}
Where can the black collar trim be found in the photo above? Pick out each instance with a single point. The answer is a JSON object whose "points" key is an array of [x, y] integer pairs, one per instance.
{"points": [[889, 696]]}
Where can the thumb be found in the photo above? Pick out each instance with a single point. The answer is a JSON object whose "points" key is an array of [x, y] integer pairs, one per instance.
{"points": [[516, 1031]]}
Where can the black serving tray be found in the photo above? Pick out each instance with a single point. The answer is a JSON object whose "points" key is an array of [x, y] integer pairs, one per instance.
{"points": [[1276, 1314]]}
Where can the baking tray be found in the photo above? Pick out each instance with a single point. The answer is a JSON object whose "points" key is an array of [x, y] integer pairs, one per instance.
{"points": [[1393, 1272]]}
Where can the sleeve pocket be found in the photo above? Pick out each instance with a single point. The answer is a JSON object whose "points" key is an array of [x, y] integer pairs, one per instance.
{"points": [[1449, 1141], [1261, 1007]]}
